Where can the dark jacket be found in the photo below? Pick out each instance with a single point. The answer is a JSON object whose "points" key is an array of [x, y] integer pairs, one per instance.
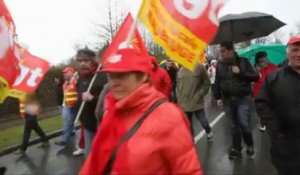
{"points": [[284, 63], [99, 111], [228, 84], [172, 71], [59, 94], [87, 117], [278, 102]]}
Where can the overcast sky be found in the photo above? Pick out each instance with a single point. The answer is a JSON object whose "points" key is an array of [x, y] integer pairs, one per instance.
{"points": [[51, 27]]}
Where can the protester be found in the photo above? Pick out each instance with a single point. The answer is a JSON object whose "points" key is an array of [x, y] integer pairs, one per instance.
{"points": [[212, 73], [81, 146], [172, 70], [99, 111], [87, 67], [160, 79], [69, 102], [59, 91], [278, 105], [140, 133], [264, 68], [233, 91], [29, 110], [191, 89]]}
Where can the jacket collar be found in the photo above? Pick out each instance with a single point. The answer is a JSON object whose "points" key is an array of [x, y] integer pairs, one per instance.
{"points": [[140, 98], [291, 70]]}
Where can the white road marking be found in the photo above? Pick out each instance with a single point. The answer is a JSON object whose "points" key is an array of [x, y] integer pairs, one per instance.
{"points": [[202, 133]]}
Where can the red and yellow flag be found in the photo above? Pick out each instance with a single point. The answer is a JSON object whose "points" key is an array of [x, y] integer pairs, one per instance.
{"points": [[120, 40], [9, 55], [182, 27]]}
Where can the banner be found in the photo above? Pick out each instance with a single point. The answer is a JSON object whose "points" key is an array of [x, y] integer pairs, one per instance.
{"points": [[33, 70], [9, 55], [182, 27], [120, 40]]}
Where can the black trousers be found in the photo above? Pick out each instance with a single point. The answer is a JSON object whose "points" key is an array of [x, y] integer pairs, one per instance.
{"points": [[2, 170], [31, 123], [286, 155]]}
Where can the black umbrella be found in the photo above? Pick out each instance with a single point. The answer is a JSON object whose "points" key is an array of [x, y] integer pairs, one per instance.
{"points": [[245, 26]]}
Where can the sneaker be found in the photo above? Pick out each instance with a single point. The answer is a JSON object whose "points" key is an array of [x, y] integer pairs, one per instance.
{"points": [[78, 152], [60, 143], [250, 152], [262, 128], [234, 154], [210, 136], [44, 145], [19, 152]]}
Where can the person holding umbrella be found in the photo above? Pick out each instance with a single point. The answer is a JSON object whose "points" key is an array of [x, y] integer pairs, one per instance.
{"points": [[264, 67], [278, 105], [233, 91]]}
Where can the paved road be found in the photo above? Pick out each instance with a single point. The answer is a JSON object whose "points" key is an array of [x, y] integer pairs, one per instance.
{"points": [[213, 155]]}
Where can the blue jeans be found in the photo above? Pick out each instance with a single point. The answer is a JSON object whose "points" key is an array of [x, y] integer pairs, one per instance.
{"points": [[88, 140], [239, 110], [68, 122], [200, 115]]}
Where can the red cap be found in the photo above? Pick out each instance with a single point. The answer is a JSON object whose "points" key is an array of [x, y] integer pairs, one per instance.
{"points": [[69, 69], [128, 60], [294, 39]]}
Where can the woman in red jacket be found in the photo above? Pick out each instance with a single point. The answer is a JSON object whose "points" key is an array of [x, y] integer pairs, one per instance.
{"points": [[264, 68], [140, 133]]}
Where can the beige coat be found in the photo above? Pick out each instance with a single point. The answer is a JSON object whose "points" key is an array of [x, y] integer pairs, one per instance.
{"points": [[192, 87]]}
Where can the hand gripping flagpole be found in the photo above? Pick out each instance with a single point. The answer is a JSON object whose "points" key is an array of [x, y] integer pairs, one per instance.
{"points": [[128, 42], [88, 90]]}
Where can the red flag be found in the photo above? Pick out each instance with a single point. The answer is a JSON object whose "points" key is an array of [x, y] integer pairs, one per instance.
{"points": [[6, 14], [121, 37], [9, 55], [182, 27], [32, 73]]}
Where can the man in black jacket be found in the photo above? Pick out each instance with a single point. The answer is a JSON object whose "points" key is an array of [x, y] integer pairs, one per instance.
{"points": [[278, 105], [87, 67], [233, 91]]}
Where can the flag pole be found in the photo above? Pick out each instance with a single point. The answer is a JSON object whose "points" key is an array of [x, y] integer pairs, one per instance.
{"points": [[133, 27], [130, 35], [88, 90]]}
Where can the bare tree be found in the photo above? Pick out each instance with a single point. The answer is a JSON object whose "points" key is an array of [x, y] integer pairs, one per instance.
{"points": [[76, 46], [278, 35], [114, 16], [213, 52]]}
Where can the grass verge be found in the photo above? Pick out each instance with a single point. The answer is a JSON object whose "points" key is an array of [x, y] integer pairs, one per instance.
{"points": [[14, 135]]}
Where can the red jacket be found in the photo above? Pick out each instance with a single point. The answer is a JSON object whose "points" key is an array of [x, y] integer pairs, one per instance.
{"points": [[263, 75], [161, 80], [156, 148]]}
